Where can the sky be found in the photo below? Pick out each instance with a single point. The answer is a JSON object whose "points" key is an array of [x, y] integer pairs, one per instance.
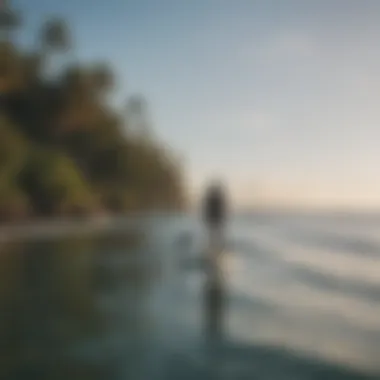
{"points": [[278, 98]]}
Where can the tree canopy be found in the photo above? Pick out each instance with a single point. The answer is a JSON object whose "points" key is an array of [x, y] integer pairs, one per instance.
{"points": [[64, 150]]}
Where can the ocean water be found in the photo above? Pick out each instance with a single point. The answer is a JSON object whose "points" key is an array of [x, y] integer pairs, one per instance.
{"points": [[307, 284], [301, 301]]}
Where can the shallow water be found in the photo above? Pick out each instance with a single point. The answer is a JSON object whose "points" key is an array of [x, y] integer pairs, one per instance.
{"points": [[302, 302]]}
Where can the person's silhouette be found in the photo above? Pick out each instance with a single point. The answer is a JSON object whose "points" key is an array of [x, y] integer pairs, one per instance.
{"points": [[214, 207], [214, 216]]}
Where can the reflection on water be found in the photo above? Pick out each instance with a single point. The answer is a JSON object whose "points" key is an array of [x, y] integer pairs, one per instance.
{"points": [[118, 306], [57, 307]]}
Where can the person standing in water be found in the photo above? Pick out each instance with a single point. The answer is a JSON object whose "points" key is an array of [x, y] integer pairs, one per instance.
{"points": [[214, 212]]}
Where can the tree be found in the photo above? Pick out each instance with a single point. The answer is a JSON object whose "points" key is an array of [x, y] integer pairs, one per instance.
{"points": [[13, 151], [102, 78], [55, 184], [11, 75], [14, 203], [55, 39], [33, 65], [64, 149], [9, 20], [55, 35]]}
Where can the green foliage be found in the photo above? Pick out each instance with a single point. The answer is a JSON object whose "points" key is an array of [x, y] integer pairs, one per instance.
{"points": [[14, 203], [9, 19], [102, 78], [56, 185], [64, 150], [11, 73], [13, 151], [55, 35]]}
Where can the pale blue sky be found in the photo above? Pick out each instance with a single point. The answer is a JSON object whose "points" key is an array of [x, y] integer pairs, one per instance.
{"points": [[280, 98]]}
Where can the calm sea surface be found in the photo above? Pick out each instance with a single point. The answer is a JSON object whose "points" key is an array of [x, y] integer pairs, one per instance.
{"points": [[302, 301]]}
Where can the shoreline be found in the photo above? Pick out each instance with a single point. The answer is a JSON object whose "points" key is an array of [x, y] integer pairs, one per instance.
{"points": [[56, 227]]}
